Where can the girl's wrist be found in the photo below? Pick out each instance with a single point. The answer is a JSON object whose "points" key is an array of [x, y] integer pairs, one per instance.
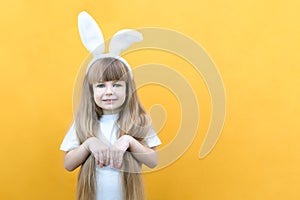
{"points": [[129, 140], [86, 144]]}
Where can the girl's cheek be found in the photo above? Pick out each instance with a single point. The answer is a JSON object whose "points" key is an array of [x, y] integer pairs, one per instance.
{"points": [[97, 92]]}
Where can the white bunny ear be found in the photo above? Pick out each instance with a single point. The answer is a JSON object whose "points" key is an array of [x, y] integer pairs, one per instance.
{"points": [[90, 33], [123, 39]]}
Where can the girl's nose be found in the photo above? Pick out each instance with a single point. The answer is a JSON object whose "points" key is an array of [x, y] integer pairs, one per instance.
{"points": [[109, 90]]}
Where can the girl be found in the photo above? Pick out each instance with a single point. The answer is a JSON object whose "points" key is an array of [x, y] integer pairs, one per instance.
{"points": [[112, 135]]}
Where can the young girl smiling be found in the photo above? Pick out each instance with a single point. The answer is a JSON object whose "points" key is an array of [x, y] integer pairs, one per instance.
{"points": [[111, 136]]}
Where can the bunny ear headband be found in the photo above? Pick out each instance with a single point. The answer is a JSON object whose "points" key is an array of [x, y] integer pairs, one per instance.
{"points": [[92, 38]]}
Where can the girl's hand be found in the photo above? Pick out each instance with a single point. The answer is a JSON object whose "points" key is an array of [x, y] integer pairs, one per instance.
{"points": [[117, 151], [99, 150]]}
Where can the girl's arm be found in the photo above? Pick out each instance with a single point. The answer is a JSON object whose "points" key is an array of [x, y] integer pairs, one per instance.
{"points": [[142, 153], [77, 156]]}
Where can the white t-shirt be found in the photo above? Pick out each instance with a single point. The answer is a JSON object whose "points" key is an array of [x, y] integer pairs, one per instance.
{"points": [[109, 183]]}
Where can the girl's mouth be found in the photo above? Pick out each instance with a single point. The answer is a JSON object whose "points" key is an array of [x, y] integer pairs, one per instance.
{"points": [[109, 100]]}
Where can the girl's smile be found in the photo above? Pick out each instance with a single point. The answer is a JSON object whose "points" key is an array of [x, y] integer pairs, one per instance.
{"points": [[109, 100]]}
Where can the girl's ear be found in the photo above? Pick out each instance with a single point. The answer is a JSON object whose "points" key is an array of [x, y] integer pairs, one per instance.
{"points": [[90, 34], [123, 39]]}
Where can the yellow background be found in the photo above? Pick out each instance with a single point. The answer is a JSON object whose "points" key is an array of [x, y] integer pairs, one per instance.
{"points": [[255, 45]]}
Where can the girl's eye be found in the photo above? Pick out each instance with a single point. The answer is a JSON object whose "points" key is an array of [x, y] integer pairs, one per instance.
{"points": [[117, 85], [100, 85]]}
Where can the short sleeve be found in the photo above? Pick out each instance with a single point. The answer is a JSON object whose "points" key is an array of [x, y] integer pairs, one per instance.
{"points": [[152, 140], [70, 141]]}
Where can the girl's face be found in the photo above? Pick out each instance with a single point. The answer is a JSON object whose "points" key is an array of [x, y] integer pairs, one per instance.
{"points": [[110, 96]]}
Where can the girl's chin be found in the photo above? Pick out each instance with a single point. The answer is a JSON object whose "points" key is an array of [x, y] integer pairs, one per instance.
{"points": [[111, 111]]}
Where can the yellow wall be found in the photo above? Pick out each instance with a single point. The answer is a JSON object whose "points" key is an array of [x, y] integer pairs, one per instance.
{"points": [[253, 43]]}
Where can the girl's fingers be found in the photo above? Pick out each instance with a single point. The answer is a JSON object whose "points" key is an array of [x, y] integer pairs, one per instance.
{"points": [[100, 158], [104, 157], [111, 159], [107, 157], [96, 156], [118, 161], [116, 158]]}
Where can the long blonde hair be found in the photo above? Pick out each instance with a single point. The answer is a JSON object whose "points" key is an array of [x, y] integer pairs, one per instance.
{"points": [[133, 120]]}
